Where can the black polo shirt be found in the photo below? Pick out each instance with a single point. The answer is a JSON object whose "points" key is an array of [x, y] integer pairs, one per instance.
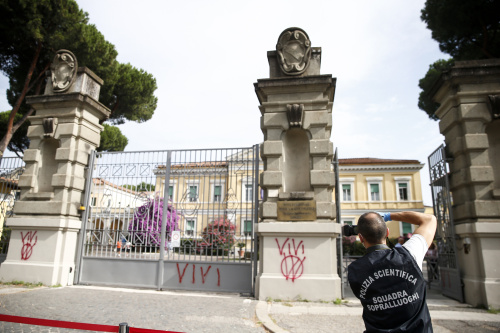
{"points": [[392, 290]]}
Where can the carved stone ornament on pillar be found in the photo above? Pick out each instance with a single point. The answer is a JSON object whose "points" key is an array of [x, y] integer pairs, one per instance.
{"points": [[49, 127], [63, 70], [294, 51], [295, 114]]}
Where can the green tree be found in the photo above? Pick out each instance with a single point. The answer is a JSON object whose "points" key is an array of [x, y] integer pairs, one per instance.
{"points": [[31, 31], [464, 29], [112, 139], [19, 141], [425, 101], [141, 187]]}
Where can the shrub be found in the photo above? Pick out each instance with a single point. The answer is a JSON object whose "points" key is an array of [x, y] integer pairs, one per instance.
{"points": [[146, 224], [217, 237]]}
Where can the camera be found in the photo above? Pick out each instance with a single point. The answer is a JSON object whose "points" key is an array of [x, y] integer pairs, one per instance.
{"points": [[349, 230]]}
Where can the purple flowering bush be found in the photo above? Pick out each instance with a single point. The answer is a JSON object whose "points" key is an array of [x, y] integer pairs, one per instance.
{"points": [[145, 227]]}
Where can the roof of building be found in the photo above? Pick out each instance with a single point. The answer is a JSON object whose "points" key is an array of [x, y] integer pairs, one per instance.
{"points": [[100, 181], [374, 161], [198, 165]]}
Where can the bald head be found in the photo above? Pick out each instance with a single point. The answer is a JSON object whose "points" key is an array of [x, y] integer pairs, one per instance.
{"points": [[372, 227]]}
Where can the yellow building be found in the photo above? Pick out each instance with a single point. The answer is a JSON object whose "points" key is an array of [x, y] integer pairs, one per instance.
{"points": [[373, 184], [366, 184], [209, 191], [204, 192]]}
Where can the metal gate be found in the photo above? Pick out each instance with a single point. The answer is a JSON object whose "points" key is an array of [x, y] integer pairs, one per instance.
{"points": [[10, 170], [175, 219], [451, 283], [340, 256]]}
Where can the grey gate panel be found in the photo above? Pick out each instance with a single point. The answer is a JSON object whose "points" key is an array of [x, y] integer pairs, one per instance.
{"points": [[10, 170], [136, 201], [449, 273]]}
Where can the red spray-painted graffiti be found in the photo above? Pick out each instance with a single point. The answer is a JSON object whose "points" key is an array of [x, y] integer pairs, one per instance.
{"points": [[203, 274], [28, 244], [292, 266]]}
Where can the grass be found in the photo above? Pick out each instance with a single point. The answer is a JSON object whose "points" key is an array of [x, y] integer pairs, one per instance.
{"points": [[338, 301], [22, 284], [300, 299], [493, 310]]}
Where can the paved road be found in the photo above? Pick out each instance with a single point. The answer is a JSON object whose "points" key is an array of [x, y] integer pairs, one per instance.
{"points": [[183, 312], [205, 312]]}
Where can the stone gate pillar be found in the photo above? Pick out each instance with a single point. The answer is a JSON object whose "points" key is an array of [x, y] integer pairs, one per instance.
{"points": [[63, 132], [469, 113], [297, 231]]}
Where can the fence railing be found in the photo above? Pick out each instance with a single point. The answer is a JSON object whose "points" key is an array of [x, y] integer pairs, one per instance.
{"points": [[207, 196], [10, 170]]}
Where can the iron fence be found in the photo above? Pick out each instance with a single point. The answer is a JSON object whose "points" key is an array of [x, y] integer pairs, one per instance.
{"points": [[449, 270], [10, 170], [141, 200]]}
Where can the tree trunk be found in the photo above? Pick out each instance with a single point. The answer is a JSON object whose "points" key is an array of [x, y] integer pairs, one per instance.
{"points": [[8, 135]]}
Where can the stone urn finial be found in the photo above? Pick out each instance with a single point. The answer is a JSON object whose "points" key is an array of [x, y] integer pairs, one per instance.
{"points": [[294, 51], [63, 70]]}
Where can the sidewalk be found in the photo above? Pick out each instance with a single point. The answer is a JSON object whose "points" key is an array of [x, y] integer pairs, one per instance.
{"points": [[300, 317], [210, 312]]}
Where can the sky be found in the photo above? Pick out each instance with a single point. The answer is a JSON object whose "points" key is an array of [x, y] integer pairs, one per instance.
{"points": [[206, 56]]}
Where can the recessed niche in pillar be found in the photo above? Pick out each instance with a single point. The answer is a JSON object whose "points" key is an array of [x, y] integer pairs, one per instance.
{"points": [[296, 165], [48, 165], [493, 132]]}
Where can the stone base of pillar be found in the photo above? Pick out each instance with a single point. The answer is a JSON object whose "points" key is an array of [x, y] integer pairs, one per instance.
{"points": [[298, 260], [309, 287], [478, 247], [41, 249]]}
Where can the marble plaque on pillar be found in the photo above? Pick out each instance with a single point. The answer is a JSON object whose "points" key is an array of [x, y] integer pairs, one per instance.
{"points": [[297, 210]]}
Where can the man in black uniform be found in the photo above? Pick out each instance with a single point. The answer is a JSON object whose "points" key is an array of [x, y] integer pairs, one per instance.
{"points": [[390, 283]]}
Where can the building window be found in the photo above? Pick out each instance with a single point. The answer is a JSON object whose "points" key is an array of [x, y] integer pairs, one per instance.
{"points": [[193, 193], [374, 192], [246, 228], [217, 193], [406, 228], [190, 227], [403, 188], [374, 188], [170, 192], [403, 191], [347, 188], [94, 200], [348, 221], [248, 192], [346, 192]]}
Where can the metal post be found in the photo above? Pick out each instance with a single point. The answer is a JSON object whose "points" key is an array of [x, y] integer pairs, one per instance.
{"points": [[340, 266], [123, 328], [164, 221], [85, 215], [255, 219]]}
